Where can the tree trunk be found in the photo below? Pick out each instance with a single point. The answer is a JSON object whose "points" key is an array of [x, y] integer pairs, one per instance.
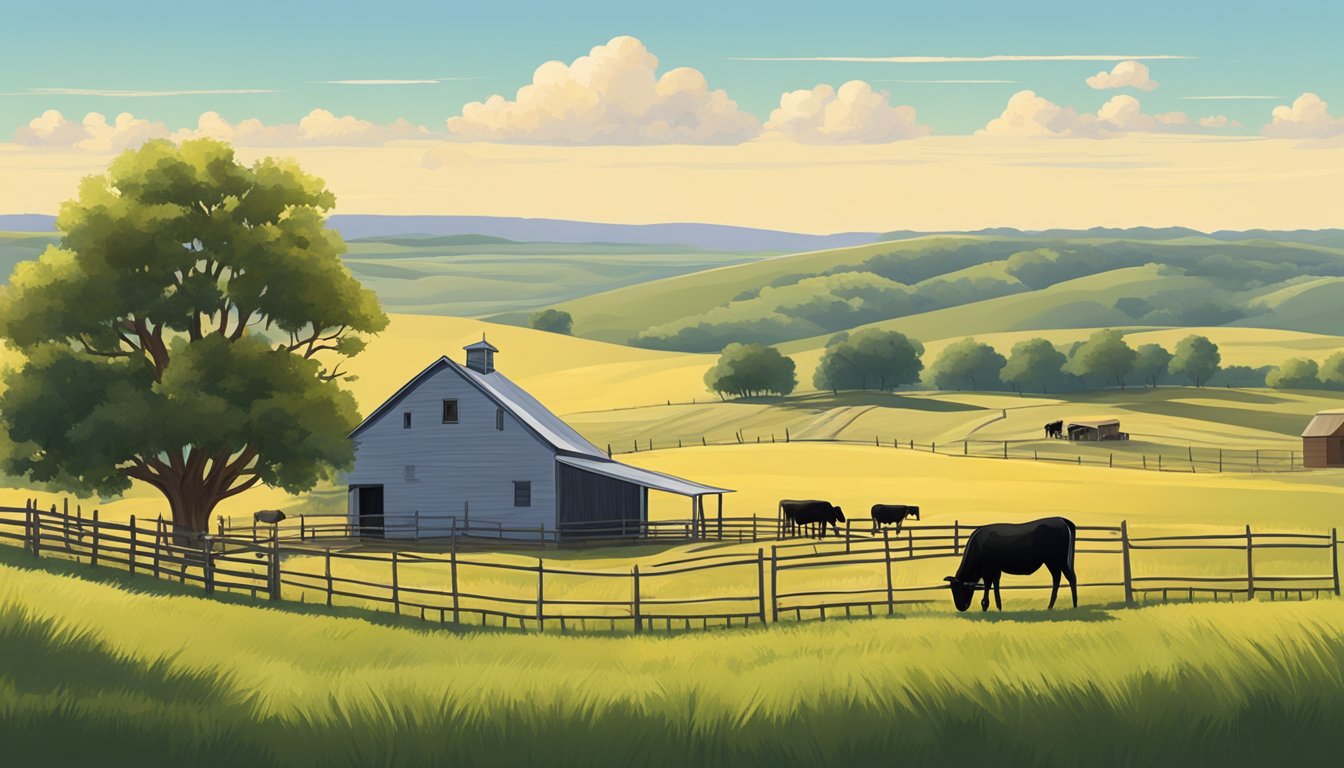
{"points": [[191, 505]]}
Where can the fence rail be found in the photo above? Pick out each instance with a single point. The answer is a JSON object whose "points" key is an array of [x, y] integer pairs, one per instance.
{"points": [[1189, 459], [780, 582]]}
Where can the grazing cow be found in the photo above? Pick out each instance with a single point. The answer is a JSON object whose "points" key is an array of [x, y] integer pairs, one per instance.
{"points": [[796, 513], [271, 516], [885, 514], [1054, 429], [1016, 548]]}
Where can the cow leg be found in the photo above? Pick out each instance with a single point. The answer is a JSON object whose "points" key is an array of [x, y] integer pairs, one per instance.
{"points": [[984, 603], [998, 601], [1073, 584], [1054, 587]]}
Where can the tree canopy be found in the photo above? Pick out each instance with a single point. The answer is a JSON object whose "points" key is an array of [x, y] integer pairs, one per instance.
{"points": [[746, 370], [1105, 356], [968, 364], [1152, 362], [552, 320], [188, 333], [1034, 364], [1295, 373], [1196, 358], [868, 358]]}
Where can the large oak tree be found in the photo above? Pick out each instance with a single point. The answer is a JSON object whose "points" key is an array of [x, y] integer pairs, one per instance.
{"points": [[188, 333]]}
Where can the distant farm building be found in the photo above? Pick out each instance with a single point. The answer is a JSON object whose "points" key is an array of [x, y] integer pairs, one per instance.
{"points": [[462, 447], [1323, 440], [1096, 430]]}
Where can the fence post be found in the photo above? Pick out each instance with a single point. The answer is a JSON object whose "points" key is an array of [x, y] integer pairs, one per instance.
{"points": [[933, 447], [541, 595], [786, 434], [774, 583], [396, 587], [1250, 565], [93, 556], [452, 563], [1334, 557], [1257, 459], [1220, 459], [130, 559], [639, 622], [158, 543], [847, 522], [32, 530], [1005, 449], [326, 571], [760, 579], [956, 537], [1110, 460], [886, 556], [221, 525], [207, 565], [1124, 554], [275, 565]]}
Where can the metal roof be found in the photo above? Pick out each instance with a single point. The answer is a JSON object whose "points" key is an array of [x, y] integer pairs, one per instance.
{"points": [[482, 344], [643, 477], [1325, 424], [1095, 423], [507, 395]]}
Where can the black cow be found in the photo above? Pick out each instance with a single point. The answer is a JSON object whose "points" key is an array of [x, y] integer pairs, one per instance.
{"points": [[808, 512], [1016, 548], [271, 516], [885, 514], [1054, 429]]}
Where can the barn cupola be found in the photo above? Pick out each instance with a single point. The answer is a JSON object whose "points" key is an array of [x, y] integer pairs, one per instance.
{"points": [[481, 356]]}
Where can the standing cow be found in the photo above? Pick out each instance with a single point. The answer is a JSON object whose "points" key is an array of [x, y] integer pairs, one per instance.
{"points": [[794, 513], [1054, 429], [1017, 548], [886, 514]]}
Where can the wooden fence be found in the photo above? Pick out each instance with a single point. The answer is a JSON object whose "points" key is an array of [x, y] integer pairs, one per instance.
{"points": [[1189, 459], [767, 586]]}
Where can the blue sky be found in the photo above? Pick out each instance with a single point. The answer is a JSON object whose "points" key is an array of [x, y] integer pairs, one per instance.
{"points": [[1236, 48]]}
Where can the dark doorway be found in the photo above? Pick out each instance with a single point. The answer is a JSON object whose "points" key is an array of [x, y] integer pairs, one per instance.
{"points": [[370, 511]]}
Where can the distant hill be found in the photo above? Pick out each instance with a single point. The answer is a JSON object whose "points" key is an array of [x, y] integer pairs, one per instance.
{"points": [[27, 222], [1331, 238]]}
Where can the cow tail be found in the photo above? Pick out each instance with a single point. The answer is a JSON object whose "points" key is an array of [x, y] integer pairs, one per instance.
{"points": [[1073, 536]]}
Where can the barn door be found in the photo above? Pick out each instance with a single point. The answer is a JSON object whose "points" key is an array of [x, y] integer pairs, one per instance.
{"points": [[370, 511]]}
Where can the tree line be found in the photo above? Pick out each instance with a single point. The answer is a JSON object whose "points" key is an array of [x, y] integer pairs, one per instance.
{"points": [[881, 360]]}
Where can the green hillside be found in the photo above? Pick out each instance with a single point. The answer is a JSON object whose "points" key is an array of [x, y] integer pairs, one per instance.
{"points": [[937, 287]]}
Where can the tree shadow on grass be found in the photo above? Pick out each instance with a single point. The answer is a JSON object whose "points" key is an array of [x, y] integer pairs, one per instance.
{"points": [[1084, 613]]}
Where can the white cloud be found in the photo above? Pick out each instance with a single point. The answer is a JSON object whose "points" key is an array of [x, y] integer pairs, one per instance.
{"points": [[1307, 118], [319, 127], [1219, 121], [1126, 74], [1030, 115], [93, 134], [854, 114], [611, 96]]}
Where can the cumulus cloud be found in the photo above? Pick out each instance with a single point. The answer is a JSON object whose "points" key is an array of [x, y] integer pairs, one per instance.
{"points": [[93, 134], [1126, 74], [1028, 114], [1307, 118], [1219, 121], [318, 127], [854, 114], [611, 96]]}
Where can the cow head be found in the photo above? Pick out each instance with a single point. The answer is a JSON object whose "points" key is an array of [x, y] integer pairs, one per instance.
{"points": [[839, 514], [962, 591]]}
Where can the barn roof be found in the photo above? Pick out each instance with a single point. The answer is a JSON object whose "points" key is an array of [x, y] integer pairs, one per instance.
{"points": [[1325, 424], [507, 395], [1095, 423], [643, 477]]}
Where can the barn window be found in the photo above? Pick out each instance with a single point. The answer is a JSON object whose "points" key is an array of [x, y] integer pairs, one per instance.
{"points": [[499, 419], [410, 472], [522, 493], [406, 420], [449, 411]]}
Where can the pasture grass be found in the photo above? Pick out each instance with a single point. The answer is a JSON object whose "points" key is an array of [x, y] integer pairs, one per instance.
{"points": [[208, 682]]}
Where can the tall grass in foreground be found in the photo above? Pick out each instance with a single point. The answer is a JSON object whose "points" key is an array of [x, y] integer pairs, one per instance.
{"points": [[100, 673]]}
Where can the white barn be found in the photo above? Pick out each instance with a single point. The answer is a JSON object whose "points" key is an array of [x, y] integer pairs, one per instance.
{"points": [[465, 447]]}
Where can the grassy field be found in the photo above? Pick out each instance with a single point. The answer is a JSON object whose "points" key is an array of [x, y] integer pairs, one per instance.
{"points": [[201, 682]]}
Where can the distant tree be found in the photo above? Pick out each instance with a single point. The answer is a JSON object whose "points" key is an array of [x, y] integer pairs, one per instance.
{"points": [[1295, 373], [1151, 363], [1332, 371], [1105, 356], [188, 333], [1034, 364], [1239, 376], [869, 358], [837, 338], [747, 370], [1196, 358], [968, 362], [1133, 306], [552, 320]]}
